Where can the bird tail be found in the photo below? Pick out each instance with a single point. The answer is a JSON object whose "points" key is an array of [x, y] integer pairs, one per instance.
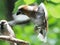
{"points": [[43, 36]]}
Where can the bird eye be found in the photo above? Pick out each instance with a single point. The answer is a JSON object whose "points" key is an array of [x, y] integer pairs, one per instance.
{"points": [[19, 12]]}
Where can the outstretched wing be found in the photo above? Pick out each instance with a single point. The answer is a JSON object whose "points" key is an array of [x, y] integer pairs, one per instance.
{"points": [[41, 22]]}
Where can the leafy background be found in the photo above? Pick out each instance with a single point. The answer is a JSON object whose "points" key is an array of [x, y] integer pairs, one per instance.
{"points": [[26, 31]]}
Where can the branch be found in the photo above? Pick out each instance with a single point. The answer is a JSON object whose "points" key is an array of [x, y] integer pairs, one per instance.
{"points": [[18, 41]]}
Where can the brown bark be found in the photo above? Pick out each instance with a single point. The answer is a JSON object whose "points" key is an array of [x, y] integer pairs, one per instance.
{"points": [[12, 39]]}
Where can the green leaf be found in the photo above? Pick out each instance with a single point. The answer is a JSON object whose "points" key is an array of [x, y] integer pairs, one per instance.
{"points": [[29, 1], [56, 1], [54, 10], [17, 4], [52, 35]]}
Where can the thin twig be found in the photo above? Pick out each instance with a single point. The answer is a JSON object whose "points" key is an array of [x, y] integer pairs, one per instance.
{"points": [[12, 39]]}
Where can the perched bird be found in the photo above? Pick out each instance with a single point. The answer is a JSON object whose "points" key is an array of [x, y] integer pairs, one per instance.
{"points": [[38, 15]]}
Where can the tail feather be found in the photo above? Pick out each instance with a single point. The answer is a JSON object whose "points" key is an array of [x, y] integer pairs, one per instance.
{"points": [[42, 38]]}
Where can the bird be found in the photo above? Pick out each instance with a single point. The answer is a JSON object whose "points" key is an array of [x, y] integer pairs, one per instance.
{"points": [[38, 15]]}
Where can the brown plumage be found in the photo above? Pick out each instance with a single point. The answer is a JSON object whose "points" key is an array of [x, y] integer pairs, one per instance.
{"points": [[38, 15]]}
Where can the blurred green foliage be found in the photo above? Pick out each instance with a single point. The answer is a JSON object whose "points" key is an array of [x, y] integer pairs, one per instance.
{"points": [[26, 31]]}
